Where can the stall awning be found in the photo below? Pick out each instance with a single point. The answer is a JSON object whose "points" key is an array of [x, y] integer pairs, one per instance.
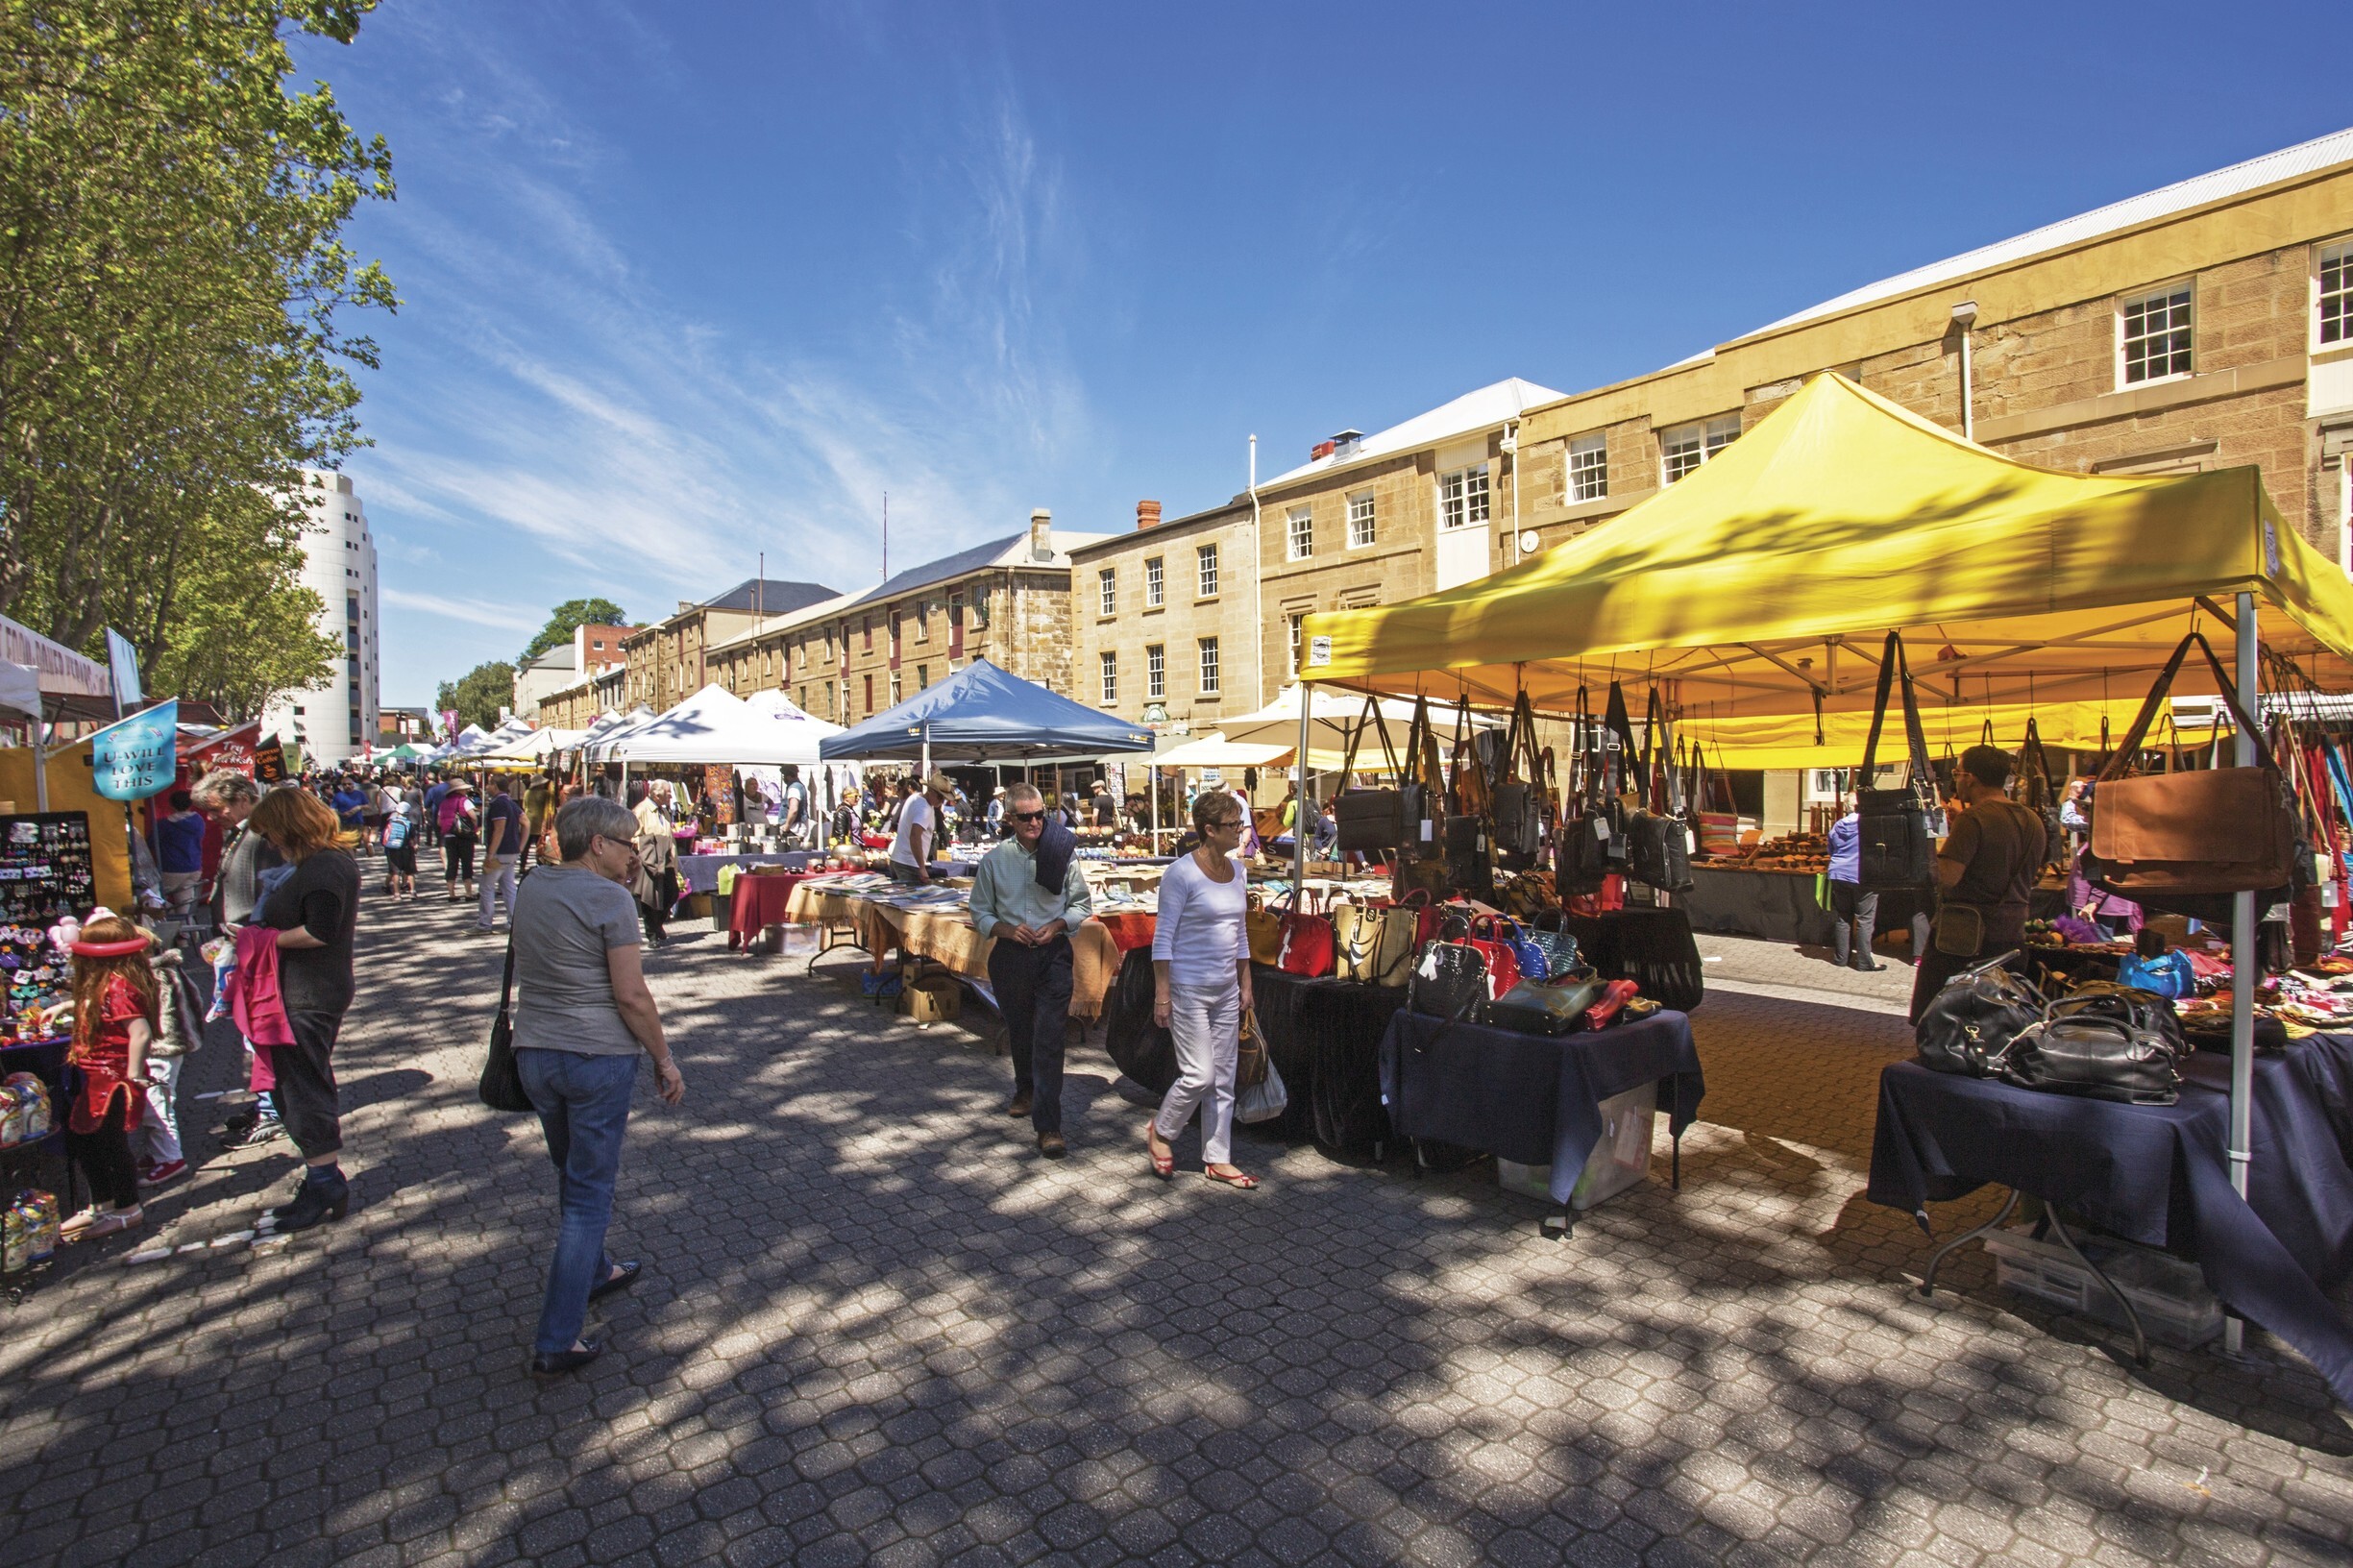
{"points": [[1214, 750], [1786, 740], [984, 714], [1766, 579], [714, 726]]}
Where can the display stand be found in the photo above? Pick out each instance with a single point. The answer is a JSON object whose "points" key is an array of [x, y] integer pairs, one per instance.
{"points": [[45, 873]]}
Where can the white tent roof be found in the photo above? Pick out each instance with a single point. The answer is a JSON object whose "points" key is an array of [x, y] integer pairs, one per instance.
{"points": [[1214, 750], [20, 689], [713, 725], [535, 747]]}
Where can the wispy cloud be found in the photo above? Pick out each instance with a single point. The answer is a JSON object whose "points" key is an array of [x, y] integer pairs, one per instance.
{"points": [[472, 611]]}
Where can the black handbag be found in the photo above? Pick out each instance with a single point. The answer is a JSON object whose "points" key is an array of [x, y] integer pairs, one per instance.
{"points": [[1652, 948], [1582, 851], [1143, 1050], [1369, 820], [2038, 792], [1968, 1026], [1449, 981], [1519, 802], [1898, 845], [1547, 1007], [2103, 1043], [1659, 843], [1470, 864], [502, 1083]]}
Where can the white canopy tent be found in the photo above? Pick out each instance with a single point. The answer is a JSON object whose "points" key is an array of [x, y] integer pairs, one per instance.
{"points": [[715, 726]]}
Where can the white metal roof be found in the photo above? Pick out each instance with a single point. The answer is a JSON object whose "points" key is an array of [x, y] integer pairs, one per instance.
{"points": [[1479, 410], [2289, 163]]}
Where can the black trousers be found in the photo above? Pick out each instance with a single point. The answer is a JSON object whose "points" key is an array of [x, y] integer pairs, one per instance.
{"points": [[306, 1091], [1033, 995], [105, 1155], [457, 855]]}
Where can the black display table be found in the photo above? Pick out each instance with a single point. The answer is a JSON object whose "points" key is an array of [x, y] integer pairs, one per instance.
{"points": [[1778, 906]]}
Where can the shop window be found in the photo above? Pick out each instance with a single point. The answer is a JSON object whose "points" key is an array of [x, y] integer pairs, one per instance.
{"points": [[1589, 467], [1463, 497], [1107, 590], [2153, 336], [1359, 519], [1205, 558], [1110, 677], [1209, 667], [2336, 293], [1302, 532], [1155, 672], [1684, 448], [869, 694], [1155, 586], [895, 688]]}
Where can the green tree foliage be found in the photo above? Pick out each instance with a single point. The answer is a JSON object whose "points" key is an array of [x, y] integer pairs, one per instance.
{"points": [[479, 695], [171, 275], [570, 617]]}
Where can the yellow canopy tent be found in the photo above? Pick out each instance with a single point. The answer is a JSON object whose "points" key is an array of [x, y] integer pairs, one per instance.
{"points": [[1768, 577], [1786, 740]]}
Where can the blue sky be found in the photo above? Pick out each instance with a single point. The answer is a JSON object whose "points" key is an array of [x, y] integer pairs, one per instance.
{"points": [[684, 282]]}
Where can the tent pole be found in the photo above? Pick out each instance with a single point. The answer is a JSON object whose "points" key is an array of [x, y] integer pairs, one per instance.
{"points": [[41, 765], [2243, 964], [1299, 811]]}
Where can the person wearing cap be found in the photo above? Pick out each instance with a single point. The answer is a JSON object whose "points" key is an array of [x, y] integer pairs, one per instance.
{"points": [[458, 819], [1028, 895], [997, 813]]}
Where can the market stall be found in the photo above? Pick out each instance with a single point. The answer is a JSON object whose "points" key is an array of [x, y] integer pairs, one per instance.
{"points": [[1765, 582]]}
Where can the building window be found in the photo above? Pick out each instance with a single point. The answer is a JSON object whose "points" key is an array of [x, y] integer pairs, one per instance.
{"points": [[1209, 667], [1155, 672], [1291, 625], [2154, 331], [1110, 677], [1206, 557], [1302, 532], [1589, 467], [869, 694], [2336, 294], [1155, 588], [1463, 497], [1684, 448], [1359, 518], [1107, 589]]}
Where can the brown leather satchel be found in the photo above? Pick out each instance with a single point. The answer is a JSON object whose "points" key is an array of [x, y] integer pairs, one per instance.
{"points": [[2208, 830]]}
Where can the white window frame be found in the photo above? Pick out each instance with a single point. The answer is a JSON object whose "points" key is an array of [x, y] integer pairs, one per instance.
{"points": [[1299, 533], [1363, 523], [1205, 648], [2339, 258], [1589, 467], [1155, 672], [1205, 572], [1464, 494], [1682, 449], [1155, 582], [1110, 660], [2182, 292], [1106, 585], [1293, 624]]}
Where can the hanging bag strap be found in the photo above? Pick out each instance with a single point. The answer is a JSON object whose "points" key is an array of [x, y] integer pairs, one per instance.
{"points": [[2131, 745], [506, 984], [1355, 737], [1654, 722], [1894, 669]]}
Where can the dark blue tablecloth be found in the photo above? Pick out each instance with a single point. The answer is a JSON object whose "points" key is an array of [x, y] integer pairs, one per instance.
{"points": [[2157, 1175], [1531, 1099]]}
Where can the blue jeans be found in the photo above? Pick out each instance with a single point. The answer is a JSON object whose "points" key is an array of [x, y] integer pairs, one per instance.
{"points": [[583, 1105]]}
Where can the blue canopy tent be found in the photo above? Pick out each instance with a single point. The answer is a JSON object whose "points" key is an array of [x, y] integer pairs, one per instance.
{"points": [[983, 715]]}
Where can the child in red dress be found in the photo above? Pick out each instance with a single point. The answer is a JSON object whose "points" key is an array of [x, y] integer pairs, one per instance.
{"points": [[115, 1013]]}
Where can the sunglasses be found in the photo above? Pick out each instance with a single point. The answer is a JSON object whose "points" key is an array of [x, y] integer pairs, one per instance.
{"points": [[1223, 822], [1029, 816]]}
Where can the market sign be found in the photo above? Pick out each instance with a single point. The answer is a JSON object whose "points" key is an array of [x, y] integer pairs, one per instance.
{"points": [[270, 761], [139, 756], [231, 752]]}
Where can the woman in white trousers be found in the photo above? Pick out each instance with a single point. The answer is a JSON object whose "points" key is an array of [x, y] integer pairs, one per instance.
{"points": [[1201, 986]]}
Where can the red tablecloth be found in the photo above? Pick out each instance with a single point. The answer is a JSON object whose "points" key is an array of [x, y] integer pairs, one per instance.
{"points": [[760, 902], [1130, 928]]}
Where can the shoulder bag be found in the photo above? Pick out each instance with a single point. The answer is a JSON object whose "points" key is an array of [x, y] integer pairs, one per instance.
{"points": [[1897, 844], [1369, 818], [2164, 837], [2103, 1043], [502, 1083], [1581, 849], [1657, 842], [1968, 1024], [1519, 802], [1449, 981], [1264, 928]]}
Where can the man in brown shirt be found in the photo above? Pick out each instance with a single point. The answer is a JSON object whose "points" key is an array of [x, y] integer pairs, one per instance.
{"points": [[1987, 866]]}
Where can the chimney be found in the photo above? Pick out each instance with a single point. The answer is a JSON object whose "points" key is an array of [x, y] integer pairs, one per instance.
{"points": [[1321, 449], [1041, 535], [1147, 515]]}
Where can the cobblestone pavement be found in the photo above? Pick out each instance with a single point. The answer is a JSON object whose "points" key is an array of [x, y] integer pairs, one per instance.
{"points": [[876, 1329]]}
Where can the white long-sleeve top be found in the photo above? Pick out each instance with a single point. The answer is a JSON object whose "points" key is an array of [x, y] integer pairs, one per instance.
{"points": [[1201, 935]]}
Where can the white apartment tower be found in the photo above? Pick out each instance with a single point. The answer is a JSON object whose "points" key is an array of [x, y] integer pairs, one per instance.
{"points": [[337, 723]]}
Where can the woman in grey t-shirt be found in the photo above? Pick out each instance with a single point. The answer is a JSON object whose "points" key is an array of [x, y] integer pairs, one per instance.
{"points": [[583, 1012]]}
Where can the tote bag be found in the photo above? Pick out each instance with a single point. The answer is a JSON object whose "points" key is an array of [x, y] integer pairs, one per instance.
{"points": [[502, 1082]]}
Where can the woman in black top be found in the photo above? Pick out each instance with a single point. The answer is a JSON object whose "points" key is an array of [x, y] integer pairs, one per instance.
{"points": [[314, 912]]}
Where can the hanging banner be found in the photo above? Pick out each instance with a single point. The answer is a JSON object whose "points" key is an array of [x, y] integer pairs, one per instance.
{"points": [[123, 662], [231, 750], [269, 762], [139, 756]]}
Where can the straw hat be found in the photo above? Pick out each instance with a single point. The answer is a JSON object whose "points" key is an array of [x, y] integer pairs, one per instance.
{"points": [[940, 783]]}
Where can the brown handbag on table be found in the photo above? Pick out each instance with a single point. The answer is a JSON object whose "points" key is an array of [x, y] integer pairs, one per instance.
{"points": [[1265, 930], [2207, 830]]}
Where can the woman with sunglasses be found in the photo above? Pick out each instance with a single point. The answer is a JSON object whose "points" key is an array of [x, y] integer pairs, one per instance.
{"points": [[1201, 987]]}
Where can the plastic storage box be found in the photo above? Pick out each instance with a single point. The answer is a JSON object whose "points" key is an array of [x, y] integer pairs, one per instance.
{"points": [[1620, 1160], [2168, 1292]]}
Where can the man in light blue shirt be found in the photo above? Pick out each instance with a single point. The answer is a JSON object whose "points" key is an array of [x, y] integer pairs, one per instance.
{"points": [[1029, 962]]}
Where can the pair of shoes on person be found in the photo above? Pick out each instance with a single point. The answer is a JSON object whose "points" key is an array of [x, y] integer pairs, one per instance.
{"points": [[1869, 966], [555, 1364], [94, 1222], [157, 1172], [315, 1203]]}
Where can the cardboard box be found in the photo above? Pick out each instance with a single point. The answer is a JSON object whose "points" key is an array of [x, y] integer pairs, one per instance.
{"points": [[933, 1000]]}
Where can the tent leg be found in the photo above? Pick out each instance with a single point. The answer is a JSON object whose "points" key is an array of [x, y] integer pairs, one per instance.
{"points": [[1300, 814], [2242, 966], [40, 764]]}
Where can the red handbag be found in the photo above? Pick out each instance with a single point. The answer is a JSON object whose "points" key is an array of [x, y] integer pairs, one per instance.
{"points": [[1310, 948], [1503, 961]]}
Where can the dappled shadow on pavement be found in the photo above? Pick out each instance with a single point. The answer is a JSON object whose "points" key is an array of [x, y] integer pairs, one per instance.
{"points": [[877, 1328]]}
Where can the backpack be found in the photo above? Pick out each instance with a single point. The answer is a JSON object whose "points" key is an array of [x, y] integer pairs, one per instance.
{"points": [[396, 832]]}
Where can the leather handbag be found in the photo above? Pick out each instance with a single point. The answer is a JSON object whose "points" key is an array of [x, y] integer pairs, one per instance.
{"points": [[1897, 847], [1547, 1007], [2038, 791], [1264, 928], [1659, 843], [1612, 1001], [1449, 981], [1250, 1063], [2207, 830], [2103, 1043], [1470, 865], [1369, 820], [1492, 935], [1306, 949], [1374, 946], [1519, 802], [1968, 1024], [502, 1082], [1591, 844], [1557, 949]]}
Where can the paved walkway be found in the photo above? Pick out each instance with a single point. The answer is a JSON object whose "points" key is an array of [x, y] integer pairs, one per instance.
{"points": [[877, 1330]]}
